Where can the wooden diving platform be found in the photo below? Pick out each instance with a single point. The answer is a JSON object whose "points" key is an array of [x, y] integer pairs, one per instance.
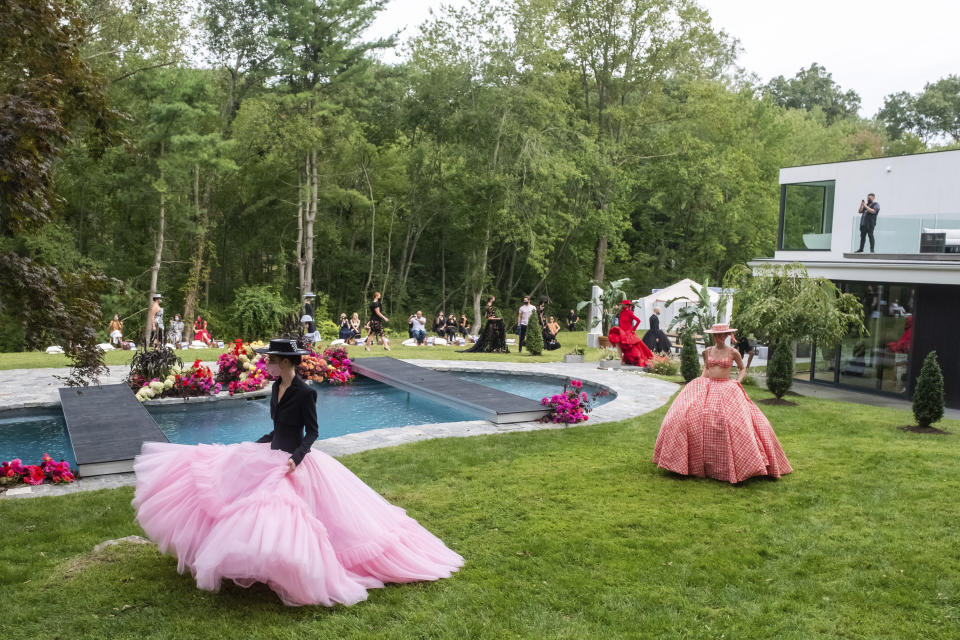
{"points": [[490, 404], [107, 425]]}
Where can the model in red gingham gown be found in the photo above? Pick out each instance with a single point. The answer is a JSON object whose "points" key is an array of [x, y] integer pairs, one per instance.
{"points": [[714, 430]]}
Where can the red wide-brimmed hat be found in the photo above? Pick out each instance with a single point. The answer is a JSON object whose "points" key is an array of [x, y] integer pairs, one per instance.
{"points": [[626, 303]]}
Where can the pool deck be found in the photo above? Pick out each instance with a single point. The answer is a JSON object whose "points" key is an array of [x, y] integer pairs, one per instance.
{"points": [[637, 394]]}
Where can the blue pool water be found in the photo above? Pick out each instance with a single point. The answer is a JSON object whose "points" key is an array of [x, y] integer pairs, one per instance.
{"points": [[353, 408]]}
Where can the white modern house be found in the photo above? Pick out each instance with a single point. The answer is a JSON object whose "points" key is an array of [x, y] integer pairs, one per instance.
{"points": [[910, 287]]}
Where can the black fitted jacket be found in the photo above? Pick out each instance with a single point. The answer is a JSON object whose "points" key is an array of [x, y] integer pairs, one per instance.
{"points": [[294, 419]]}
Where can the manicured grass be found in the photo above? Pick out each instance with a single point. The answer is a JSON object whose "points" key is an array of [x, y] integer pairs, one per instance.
{"points": [[40, 360], [566, 534]]}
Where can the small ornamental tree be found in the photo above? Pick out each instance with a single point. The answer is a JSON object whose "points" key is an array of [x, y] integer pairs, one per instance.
{"points": [[780, 369], [781, 305], [534, 341], [689, 361], [928, 399]]}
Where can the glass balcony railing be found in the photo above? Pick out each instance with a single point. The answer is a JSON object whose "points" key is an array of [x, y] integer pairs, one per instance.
{"points": [[906, 235]]}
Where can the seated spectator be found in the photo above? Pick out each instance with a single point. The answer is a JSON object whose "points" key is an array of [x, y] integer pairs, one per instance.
{"points": [[116, 330], [439, 324], [418, 327], [176, 331], [346, 331], [200, 331], [355, 326], [572, 319], [553, 327], [464, 326], [450, 328]]}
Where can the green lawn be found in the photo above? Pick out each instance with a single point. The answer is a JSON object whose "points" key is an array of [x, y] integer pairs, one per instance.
{"points": [[566, 534], [40, 360]]}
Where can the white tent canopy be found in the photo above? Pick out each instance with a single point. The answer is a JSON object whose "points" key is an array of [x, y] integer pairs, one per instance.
{"points": [[684, 295]]}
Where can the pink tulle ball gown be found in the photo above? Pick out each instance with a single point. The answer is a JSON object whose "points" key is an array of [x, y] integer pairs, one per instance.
{"points": [[316, 535], [714, 430]]}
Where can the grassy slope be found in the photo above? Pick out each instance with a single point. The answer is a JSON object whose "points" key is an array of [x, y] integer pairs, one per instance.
{"points": [[40, 360], [567, 534]]}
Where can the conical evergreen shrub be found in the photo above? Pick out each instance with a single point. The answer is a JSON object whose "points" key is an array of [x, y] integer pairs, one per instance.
{"points": [[780, 369], [689, 361], [534, 341], [928, 399]]}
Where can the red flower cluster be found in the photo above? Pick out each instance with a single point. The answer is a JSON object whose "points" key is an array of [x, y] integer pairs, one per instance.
{"points": [[15, 471], [333, 368]]}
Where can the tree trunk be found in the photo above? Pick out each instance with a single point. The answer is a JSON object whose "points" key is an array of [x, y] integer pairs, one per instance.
{"points": [[155, 270], [386, 275], [601, 259], [373, 229], [300, 262], [196, 267], [311, 216]]}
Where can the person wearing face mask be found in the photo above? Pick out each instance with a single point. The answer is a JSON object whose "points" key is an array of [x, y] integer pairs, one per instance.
{"points": [[277, 511]]}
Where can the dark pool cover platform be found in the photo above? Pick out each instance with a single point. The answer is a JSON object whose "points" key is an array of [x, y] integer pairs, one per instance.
{"points": [[494, 405], [107, 426]]}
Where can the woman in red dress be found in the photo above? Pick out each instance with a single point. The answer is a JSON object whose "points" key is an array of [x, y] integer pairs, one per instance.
{"points": [[625, 336], [713, 429], [200, 331]]}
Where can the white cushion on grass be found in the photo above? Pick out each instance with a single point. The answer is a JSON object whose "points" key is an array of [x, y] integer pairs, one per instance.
{"points": [[105, 346], [55, 349], [410, 342], [338, 341]]}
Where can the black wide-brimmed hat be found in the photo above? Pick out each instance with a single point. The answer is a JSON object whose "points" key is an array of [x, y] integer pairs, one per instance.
{"points": [[283, 347]]}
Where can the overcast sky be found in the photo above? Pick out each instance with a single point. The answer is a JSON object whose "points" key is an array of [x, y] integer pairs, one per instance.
{"points": [[875, 48]]}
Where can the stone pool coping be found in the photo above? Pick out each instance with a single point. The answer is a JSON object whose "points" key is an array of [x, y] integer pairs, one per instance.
{"points": [[637, 394]]}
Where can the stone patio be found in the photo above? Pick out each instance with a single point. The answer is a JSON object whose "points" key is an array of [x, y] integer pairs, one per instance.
{"points": [[637, 393]]}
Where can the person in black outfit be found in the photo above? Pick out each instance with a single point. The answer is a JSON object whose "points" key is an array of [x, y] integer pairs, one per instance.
{"points": [[293, 404], [438, 324], [868, 211], [745, 347], [308, 304], [655, 339], [572, 320], [493, 338], [450, 328], [464, 325], [346, 331], [376, 323]]}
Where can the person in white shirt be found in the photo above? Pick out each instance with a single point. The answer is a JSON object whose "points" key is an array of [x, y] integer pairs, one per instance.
{"points": [[418, 327], [523, 319]]}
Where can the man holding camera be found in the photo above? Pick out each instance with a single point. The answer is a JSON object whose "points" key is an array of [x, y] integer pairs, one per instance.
{"points": [[868, 211]]}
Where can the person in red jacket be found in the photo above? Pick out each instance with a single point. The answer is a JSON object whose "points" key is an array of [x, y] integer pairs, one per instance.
{"points": [[625, 336]]}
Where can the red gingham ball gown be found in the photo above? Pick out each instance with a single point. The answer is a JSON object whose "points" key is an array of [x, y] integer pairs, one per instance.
{"points": [[714, 430]]}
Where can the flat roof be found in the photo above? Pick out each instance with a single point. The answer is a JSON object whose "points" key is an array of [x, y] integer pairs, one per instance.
{"points": [[905, 155]]}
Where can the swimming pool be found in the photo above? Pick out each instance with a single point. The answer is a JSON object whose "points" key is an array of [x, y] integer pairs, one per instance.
{"points": [[361, 406]]}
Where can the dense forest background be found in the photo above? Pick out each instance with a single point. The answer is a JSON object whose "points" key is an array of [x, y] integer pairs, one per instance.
{"points": [[236, 153]]}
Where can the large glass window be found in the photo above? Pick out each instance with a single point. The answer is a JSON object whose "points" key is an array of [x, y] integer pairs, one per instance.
{"points": [[806, 216], [880, 359]]}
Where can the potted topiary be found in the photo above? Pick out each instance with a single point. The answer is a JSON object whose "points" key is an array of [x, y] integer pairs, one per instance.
{"points": [[610, 358], [574, 355]]}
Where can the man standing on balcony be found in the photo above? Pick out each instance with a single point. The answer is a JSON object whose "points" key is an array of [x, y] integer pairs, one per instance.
{"points": [[868, 211]]}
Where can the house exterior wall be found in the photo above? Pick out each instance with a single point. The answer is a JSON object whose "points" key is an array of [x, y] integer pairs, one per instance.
{"points": [[905, 186]]}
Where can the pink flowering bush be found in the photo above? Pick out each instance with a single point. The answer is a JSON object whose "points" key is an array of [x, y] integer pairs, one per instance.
{"points": [[569, 407], [14, 471], [333, 368]]}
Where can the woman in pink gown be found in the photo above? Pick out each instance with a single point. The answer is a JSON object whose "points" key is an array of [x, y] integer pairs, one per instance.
{"points": [[200, 331], [713, 429], [276, 511], [624, 335]]}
